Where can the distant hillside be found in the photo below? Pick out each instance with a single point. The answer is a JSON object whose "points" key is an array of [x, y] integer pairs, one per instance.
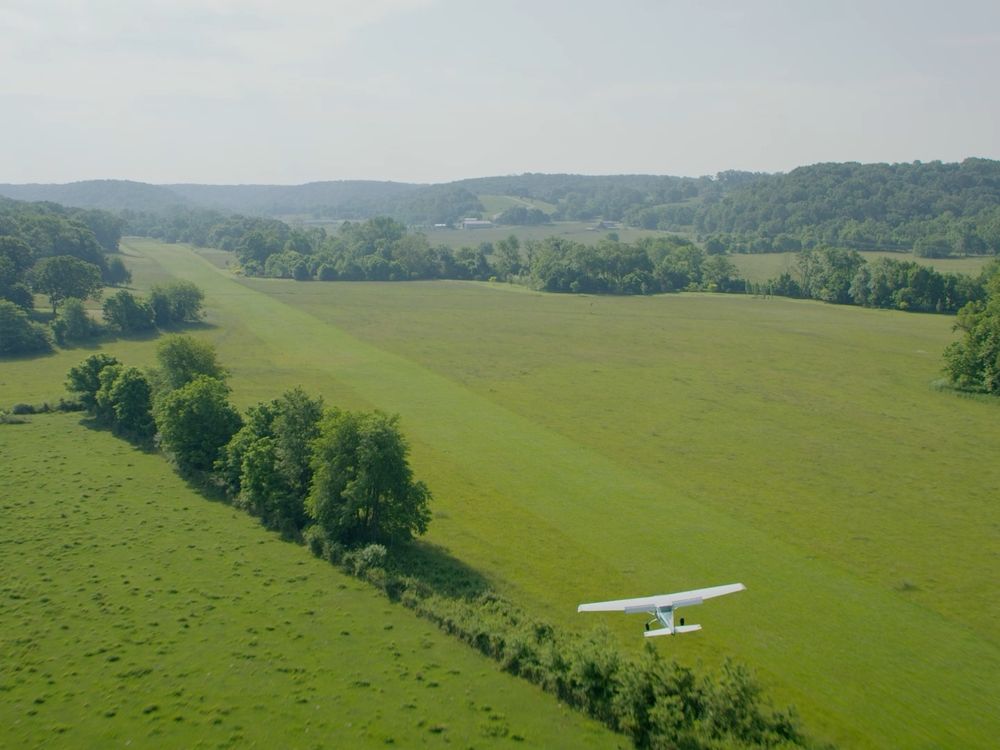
{"points": [[934, 208], [109, 195], [342, 199]]}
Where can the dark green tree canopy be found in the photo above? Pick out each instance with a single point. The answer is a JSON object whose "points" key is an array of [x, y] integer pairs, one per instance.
{"points": [[64, 276], [125, 312], [183, 358], [84, 380], [18, 333], [363, 489], [974, 361], [267, 467], [195, 421]]}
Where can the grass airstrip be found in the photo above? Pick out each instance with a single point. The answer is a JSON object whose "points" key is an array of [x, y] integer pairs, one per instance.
{"points": [[584, 448]]}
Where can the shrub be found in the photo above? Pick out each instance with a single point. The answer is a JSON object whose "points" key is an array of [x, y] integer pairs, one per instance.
{"points": [[18, 333], [73, 323]]}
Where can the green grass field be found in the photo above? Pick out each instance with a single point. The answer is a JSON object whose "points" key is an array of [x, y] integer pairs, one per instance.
{"points": [[135, 612], [584, 447], [495, 204], [764, 266]]}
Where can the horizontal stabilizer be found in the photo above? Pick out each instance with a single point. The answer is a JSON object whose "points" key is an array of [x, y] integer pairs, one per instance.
{"points": [[660, 631], [687, 628]]}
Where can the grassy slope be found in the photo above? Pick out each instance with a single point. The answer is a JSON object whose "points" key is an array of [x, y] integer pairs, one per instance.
{"points": [[632, 445], [133, 611], [495, 204]]}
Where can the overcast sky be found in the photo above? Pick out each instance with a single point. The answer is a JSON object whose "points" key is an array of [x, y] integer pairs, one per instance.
{"points": [[259, 91]]}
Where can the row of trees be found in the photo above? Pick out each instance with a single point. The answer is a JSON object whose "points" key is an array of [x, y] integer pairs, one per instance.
{"points": [[845, 277], [291, 461], [973, 362]]}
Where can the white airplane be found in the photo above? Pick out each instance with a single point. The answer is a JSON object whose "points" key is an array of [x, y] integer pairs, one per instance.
{"points": [[662, 607]]}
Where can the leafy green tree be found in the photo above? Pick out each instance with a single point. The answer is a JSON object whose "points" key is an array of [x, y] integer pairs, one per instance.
{"points": [[18, 333], [183, 358], [73, 323], [127, 313], [267, 465], [363, 489], [130, 396], [974, 361], [507, 257], [64, 276], [84, 380], [116, 273], [104, 408], [195, 421]]}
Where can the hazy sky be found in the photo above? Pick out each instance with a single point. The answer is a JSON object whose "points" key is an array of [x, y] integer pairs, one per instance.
{"points": [[260, 91]]}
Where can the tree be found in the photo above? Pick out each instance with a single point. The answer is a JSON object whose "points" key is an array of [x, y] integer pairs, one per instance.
{"points": [[507, 257], [195, 421], [130, 396], [64, 276], [183, 358], [73, 323], [267, 465], [116, 273], [18, 333], [128, 313], [176, 302], [84, 380], [974, 361], [363, 489]]}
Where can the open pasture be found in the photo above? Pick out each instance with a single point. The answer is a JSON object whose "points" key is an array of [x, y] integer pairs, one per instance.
{"points": [[135, 612], [763, 266], [584, 447]]}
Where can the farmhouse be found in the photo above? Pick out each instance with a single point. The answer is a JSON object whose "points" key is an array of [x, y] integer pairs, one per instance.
{"points": [[476, 224]]}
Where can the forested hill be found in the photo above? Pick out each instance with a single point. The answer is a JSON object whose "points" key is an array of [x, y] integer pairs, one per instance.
{"points": [[108, 195], [934, 208], [336, 199]]}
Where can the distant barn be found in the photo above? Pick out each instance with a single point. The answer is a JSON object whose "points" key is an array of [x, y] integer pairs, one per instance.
{"points": [[476, 224]]}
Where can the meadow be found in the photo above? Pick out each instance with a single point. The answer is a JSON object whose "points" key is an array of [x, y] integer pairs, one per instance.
{"points": [[582, 448], [136, 612]]}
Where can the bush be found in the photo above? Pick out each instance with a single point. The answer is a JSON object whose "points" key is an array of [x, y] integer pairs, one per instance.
{"points": [[18, 333], [127, 313], [73, 323], [196, 421]]}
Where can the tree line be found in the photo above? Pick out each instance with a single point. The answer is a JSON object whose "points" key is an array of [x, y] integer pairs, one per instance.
{"points": [[340, 482], [68, 255], [292, 462]]}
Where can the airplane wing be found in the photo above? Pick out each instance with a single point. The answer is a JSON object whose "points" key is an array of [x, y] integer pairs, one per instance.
{"points": [[647, 603]]}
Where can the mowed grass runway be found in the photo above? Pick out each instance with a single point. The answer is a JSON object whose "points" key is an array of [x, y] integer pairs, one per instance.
{"points": [[133, 612], [583, 448]]}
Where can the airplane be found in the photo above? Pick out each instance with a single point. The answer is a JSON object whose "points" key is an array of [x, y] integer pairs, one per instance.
{"points": [[662, 607]]}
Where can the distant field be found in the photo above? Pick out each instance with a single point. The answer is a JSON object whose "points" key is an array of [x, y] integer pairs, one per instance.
{"points": [[494, 204], [764, 266], [136, 613], [589, 447]]}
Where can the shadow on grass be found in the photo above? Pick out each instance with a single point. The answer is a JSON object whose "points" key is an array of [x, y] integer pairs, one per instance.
{"points": [[436, 569]]}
